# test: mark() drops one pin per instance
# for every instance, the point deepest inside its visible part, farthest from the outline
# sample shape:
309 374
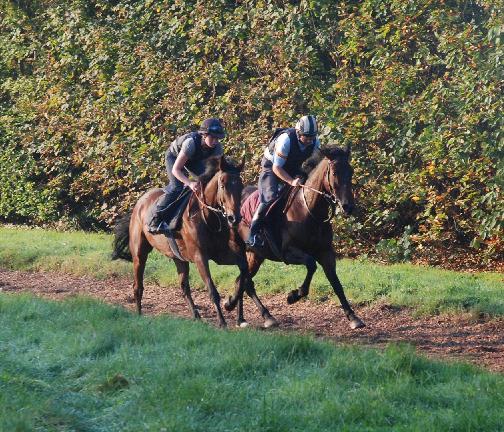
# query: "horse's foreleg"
254 262
237 297
204 270
328 262
297 256
183 272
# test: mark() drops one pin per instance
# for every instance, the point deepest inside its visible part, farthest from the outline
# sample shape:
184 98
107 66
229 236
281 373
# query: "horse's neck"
316 178
316 203
210 191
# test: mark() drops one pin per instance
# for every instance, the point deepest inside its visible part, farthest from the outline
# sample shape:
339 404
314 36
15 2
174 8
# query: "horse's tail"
121 239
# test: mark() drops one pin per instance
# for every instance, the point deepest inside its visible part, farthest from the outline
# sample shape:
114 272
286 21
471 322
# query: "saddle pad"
251 203
249 207
175 210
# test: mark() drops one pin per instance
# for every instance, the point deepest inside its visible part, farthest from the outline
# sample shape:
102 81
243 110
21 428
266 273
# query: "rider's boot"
255 239
158 226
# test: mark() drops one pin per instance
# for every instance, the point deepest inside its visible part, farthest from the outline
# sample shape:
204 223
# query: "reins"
330 197
217 210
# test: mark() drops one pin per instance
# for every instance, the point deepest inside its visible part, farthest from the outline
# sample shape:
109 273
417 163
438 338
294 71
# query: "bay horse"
208 232
301 227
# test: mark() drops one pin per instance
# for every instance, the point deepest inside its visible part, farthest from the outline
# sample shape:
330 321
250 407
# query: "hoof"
229 305
223 326
270 323
356 323
293 297
243 324
196 315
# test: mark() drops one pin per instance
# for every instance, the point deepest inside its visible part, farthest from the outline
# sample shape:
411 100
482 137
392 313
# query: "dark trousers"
268 183
175 186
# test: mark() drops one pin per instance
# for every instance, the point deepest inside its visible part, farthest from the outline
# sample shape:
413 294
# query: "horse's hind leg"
296 256
327 260
183 272
240 284
140 248
204 270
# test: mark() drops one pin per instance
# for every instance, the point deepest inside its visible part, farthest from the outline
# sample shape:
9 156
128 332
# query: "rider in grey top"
188 152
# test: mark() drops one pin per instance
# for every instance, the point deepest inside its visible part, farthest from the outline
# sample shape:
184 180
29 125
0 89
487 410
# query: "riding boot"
255 239
157 224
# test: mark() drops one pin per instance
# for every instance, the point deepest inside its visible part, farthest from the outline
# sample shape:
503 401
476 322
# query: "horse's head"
229 189
338 177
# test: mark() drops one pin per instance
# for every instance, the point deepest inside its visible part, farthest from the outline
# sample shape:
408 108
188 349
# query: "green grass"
427 290
83 365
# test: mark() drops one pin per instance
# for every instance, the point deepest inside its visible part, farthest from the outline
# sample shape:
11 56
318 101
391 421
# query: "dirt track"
479 341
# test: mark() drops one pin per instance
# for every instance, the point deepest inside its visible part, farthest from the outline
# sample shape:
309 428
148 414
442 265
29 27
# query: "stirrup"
161 228
255 240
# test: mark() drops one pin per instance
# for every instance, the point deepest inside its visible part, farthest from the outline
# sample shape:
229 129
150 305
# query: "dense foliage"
92 92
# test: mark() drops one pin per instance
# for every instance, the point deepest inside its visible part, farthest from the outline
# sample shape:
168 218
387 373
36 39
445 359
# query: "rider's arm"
178 172
284 175
281 151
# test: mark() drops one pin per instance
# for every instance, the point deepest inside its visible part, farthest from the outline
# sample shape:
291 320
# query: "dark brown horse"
208 232
301 227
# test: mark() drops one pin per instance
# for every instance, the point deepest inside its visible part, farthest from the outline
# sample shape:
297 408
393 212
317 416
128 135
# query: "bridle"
220 210
331 197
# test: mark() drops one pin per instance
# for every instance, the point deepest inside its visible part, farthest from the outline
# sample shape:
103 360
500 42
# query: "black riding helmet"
213 127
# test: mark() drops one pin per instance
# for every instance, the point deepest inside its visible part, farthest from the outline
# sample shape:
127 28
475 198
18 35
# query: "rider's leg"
257 223
172 191
268 192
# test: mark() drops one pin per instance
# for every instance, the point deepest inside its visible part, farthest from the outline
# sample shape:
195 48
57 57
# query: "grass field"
427 290
80 365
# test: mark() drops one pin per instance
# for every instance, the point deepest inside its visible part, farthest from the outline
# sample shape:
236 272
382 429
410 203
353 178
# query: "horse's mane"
212 165
331 152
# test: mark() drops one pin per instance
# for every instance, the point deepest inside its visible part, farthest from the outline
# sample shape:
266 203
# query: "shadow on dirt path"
479 341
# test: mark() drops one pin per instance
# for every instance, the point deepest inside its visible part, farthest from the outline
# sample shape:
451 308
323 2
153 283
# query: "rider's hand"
296 182
194 186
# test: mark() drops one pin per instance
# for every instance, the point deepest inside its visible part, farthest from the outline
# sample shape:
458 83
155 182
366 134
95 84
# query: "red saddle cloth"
249 207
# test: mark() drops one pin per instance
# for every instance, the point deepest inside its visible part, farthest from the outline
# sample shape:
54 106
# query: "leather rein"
220 210
329 197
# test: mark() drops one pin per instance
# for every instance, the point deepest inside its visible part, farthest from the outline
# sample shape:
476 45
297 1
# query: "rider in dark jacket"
187 152
282 160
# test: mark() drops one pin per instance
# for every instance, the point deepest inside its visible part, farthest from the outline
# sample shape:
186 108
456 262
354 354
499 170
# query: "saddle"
249 206
174 211
172 215
270 231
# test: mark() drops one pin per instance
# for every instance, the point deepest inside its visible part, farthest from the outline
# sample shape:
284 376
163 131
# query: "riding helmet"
213 127
307 126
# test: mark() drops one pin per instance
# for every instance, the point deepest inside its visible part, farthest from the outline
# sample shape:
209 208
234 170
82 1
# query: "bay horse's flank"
208 232
302 228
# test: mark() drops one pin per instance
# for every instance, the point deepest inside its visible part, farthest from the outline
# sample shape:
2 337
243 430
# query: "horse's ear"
326 152
348 150
240 167
222 163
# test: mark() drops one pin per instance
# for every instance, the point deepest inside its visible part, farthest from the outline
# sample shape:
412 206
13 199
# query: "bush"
93 92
